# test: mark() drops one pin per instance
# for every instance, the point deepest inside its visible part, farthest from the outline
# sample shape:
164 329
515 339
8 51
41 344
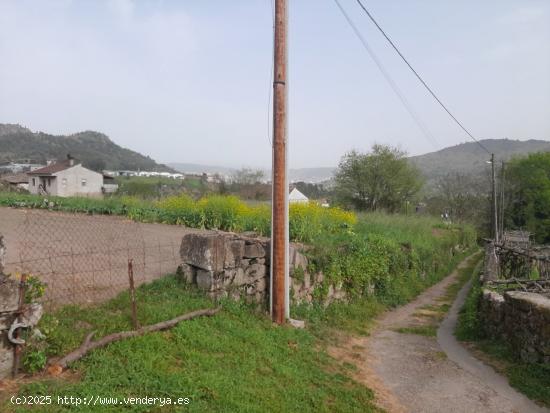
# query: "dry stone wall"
520 318
238 266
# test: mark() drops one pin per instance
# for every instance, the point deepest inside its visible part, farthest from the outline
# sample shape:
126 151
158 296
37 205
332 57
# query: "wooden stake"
135 321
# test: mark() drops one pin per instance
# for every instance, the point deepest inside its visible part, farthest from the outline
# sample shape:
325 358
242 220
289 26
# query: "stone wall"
520 318
237 266
9 302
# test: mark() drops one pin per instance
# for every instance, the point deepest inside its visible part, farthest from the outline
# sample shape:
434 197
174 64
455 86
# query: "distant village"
68 178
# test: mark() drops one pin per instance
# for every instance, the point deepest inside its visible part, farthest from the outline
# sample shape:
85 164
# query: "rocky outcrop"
226 264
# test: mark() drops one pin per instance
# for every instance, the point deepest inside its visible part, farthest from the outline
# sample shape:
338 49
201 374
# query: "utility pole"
279 209
502 179
495 210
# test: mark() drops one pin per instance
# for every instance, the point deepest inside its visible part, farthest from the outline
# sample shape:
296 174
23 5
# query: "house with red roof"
68 178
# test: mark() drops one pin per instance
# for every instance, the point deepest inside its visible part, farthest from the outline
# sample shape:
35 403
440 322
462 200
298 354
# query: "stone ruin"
237 266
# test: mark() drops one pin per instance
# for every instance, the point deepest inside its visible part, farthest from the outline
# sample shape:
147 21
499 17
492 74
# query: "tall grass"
227 213
391 256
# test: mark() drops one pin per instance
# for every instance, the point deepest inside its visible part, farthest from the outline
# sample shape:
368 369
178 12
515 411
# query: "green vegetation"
236 361
423 330
151 188
228 213
528 187
94 149
433 314
381 180
384 261
467 159
468 327
391 256
532 379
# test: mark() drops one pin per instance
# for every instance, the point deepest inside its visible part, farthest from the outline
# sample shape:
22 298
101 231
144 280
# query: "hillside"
469 158
464 158
94 149
314 175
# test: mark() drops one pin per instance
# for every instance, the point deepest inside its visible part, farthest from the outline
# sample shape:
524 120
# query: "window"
49 181
33 182
84 182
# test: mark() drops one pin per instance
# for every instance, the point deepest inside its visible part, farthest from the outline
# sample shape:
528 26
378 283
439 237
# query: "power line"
422 126
429 89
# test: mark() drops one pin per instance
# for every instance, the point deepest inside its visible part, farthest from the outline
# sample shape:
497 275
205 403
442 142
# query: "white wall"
34 189
74 181
78 180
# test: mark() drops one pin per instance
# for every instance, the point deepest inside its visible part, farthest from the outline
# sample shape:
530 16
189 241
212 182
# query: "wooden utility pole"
279 211
502 180
495 208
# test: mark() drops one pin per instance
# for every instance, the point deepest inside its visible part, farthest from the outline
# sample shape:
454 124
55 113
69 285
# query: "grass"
425 330
532 379
236 361
228 213
433 314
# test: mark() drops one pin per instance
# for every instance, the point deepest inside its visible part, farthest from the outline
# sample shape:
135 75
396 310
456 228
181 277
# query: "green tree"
466 197
527 185
380 180
247 176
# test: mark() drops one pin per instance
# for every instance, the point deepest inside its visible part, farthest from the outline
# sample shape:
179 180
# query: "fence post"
16 334
135 322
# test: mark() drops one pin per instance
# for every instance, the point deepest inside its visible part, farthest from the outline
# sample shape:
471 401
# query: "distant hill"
313 175
465 158
195 168
94 149
469 158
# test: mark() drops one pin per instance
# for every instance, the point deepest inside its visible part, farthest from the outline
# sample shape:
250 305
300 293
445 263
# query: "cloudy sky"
188 81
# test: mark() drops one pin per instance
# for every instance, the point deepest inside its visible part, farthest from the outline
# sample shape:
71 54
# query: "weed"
425 330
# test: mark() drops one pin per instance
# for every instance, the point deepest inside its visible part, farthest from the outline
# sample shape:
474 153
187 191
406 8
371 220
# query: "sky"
189 81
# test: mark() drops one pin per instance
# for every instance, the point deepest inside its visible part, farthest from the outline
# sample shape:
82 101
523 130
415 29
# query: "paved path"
415 373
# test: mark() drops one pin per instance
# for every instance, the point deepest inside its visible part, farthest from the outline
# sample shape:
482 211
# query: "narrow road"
419 373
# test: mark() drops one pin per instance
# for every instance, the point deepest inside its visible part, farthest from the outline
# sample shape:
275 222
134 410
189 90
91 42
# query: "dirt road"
419 373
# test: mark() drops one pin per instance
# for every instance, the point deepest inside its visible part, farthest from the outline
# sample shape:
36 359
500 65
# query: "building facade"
66 178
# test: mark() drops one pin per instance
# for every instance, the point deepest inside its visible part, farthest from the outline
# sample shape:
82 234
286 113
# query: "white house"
68 178
296 196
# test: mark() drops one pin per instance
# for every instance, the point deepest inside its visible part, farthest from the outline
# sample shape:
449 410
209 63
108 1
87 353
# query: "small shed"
297 197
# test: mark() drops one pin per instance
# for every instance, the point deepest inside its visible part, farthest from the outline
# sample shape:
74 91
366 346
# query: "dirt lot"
83 258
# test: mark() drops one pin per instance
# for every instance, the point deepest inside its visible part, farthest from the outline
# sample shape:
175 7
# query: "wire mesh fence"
84 259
